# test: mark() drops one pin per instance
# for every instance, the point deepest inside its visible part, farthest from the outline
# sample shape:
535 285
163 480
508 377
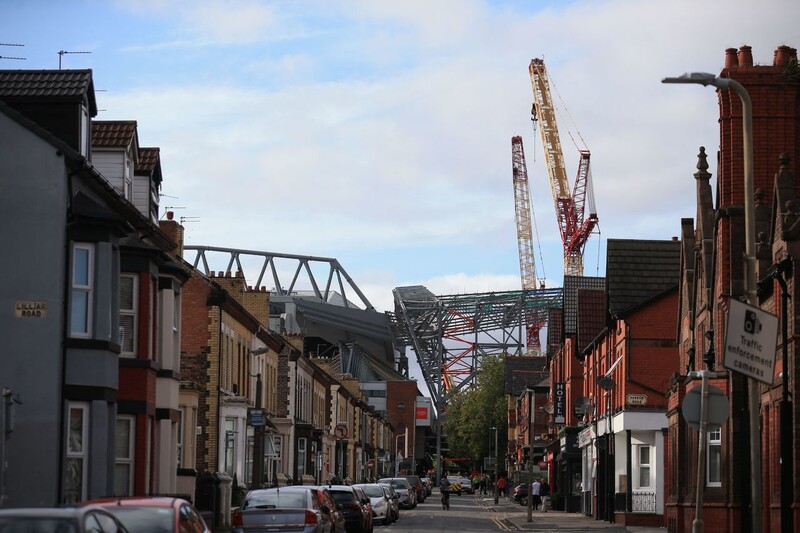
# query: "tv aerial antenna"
13 57
62 52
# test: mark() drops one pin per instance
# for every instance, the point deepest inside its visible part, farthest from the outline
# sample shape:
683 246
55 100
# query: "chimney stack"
174 231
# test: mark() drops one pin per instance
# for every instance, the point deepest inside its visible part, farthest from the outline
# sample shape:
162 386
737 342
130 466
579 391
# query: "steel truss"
277 263
450 334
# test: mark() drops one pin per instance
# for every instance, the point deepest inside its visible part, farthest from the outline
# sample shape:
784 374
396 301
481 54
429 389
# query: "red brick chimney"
174 231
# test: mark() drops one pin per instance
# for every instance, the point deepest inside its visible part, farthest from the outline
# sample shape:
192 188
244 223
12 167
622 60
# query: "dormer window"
128 181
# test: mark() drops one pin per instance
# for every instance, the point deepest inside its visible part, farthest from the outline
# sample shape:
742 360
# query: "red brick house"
712 274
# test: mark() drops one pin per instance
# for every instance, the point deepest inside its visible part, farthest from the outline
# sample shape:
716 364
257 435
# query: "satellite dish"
581 404
606 383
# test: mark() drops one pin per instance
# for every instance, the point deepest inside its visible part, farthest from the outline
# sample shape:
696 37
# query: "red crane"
574 225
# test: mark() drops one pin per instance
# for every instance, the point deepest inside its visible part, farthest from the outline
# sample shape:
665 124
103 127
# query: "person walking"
544 492
444 488
483 484
502 483
536 494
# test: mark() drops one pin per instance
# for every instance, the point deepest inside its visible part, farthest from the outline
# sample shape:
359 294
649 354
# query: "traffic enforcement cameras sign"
750 339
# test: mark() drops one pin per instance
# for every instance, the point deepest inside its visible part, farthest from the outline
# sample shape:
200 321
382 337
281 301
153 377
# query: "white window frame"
87 288
301 457
713 446
229 444
133 312
77 454
642 465
181 434
129 460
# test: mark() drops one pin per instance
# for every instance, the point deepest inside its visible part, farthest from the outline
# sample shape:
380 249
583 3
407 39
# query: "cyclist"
444 488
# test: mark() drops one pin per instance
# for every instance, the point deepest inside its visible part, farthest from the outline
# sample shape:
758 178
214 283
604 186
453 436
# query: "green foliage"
473 412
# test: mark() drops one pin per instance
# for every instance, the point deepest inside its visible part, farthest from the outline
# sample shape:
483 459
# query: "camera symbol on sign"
752 324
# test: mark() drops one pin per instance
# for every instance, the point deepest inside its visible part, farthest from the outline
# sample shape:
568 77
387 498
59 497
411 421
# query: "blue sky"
380 132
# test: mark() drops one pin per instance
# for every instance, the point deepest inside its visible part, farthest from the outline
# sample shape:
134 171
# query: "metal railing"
644 502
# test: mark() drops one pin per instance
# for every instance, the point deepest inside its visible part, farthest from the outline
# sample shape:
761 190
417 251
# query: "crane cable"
569 115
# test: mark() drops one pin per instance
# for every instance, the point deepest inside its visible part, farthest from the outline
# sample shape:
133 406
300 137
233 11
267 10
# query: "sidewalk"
511 516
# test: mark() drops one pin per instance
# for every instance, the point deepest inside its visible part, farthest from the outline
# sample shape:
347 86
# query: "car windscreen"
373 491
151 519
276 500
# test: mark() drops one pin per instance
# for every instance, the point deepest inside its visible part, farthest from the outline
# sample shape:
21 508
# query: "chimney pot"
228 274
731 61
745 56
221 274
782 55
170 215
249 288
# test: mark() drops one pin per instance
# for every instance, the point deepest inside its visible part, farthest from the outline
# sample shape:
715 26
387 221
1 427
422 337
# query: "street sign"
370 463
340 431
750 339
718 407
255 417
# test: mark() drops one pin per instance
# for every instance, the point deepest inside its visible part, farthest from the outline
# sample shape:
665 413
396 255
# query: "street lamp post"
496 473
397 451
531 404
706 79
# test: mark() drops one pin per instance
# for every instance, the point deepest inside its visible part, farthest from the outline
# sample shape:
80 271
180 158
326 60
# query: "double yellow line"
503 525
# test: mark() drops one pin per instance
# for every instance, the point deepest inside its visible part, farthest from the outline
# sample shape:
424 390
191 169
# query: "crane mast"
534 320
570 208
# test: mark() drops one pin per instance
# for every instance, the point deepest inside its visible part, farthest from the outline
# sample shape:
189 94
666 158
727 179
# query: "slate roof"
519 372
55 84
113 133
591 316
640 270
555 330
571 286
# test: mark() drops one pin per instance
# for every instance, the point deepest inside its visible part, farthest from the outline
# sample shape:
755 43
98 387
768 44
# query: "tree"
473 412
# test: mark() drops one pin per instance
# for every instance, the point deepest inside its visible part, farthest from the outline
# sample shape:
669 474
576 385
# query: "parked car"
520 494
366 504
357 519
86 519
394 501
283 509
336 514
381 508
157 514
408 496
428 485
416 483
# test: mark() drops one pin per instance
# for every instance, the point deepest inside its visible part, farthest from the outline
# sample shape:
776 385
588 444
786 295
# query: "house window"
128 191
123 466
77 453
82 287
714 463
301 458
645 461
128 307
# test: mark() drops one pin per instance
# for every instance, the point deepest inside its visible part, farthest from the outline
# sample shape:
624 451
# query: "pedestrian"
535 493
544 492
483 484
444 489
501 485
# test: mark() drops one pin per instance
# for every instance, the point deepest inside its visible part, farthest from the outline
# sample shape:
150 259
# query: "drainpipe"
629 473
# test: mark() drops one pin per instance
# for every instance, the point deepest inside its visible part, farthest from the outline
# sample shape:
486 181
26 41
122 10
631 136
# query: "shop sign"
560 403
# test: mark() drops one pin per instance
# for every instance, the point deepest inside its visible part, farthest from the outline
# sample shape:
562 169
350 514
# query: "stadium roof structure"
451 334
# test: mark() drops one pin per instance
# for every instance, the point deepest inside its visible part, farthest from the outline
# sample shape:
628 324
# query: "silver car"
381 508
408 496
296 509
